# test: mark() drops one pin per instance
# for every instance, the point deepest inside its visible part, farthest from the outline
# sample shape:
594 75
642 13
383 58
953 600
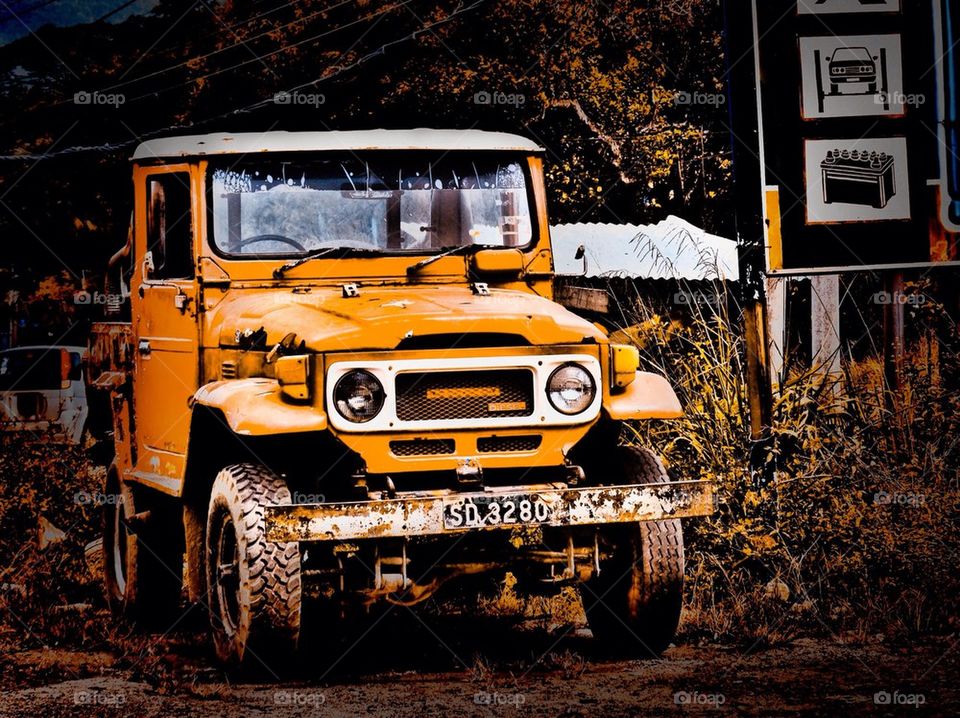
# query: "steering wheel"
273 238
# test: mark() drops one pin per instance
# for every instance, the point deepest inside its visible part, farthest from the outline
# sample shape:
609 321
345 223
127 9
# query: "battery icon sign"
854 177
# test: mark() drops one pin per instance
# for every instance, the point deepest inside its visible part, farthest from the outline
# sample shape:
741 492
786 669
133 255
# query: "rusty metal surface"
110 350
424 515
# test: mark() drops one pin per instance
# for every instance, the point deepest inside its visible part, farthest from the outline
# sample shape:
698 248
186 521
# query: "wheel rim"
227 576
120 547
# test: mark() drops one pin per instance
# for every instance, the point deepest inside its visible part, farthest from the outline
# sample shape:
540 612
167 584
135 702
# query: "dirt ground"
407 666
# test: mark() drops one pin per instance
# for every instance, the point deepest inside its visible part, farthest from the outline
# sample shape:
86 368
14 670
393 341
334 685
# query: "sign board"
859 132
827 7
852 76
863 180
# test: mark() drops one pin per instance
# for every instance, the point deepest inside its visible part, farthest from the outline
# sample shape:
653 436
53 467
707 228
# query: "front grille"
446 395
502 444
422 447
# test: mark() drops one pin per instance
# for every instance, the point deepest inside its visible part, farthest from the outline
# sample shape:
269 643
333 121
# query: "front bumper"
422 514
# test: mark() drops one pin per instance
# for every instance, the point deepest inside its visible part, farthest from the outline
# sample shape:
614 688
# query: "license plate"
509 510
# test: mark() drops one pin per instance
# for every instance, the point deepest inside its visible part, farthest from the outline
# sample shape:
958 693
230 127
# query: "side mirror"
498 261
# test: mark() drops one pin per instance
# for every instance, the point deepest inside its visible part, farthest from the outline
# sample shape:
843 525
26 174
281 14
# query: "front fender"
255 407
649 396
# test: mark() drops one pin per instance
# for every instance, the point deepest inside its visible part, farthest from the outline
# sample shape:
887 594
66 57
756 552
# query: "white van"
42 390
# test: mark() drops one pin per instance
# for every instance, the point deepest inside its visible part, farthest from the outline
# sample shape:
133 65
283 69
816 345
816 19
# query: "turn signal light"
293 375
624 363
65 369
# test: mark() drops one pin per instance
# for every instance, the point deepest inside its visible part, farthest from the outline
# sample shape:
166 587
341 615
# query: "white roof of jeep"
351 140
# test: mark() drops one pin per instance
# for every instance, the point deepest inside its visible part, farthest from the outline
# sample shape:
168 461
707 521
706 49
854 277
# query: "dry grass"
857 532
48 513
856 535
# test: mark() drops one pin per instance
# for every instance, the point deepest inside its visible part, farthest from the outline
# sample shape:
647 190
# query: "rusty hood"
381 317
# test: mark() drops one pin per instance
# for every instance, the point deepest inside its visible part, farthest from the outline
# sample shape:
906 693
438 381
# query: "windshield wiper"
448 252
320 252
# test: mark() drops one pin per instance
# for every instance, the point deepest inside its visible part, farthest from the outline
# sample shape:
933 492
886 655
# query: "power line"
200 58
261 58
59 103
114 147
24 13
113 12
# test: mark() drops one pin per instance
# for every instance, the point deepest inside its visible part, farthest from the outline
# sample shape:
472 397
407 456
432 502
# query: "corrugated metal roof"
352 140
670 249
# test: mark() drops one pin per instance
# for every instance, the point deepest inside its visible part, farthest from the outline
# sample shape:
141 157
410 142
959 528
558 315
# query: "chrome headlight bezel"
574 374
344 396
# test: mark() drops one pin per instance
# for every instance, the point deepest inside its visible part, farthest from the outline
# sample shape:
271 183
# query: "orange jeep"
344 378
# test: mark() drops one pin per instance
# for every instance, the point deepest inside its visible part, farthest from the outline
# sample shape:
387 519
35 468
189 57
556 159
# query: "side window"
169 226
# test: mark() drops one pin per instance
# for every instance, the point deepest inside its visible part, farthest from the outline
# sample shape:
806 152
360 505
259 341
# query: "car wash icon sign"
852 76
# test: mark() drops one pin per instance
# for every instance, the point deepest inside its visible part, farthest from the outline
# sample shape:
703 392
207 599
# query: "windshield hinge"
480 289
350 290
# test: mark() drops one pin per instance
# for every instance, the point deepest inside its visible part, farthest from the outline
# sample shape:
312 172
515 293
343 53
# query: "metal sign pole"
893 335
741 81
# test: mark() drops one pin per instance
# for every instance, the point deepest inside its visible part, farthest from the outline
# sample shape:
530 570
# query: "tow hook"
575 474
469 472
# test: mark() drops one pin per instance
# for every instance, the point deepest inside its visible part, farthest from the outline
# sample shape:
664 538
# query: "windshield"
851 54
385 203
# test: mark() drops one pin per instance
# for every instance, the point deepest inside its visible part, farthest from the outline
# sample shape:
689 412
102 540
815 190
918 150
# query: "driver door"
165 324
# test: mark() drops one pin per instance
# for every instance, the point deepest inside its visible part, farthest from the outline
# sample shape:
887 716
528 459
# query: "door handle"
143 346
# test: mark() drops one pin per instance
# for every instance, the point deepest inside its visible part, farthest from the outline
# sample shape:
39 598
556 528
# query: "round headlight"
570 389
358 396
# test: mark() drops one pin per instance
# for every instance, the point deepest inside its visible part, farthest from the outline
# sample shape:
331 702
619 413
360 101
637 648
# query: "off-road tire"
633 606
256 622
141 568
